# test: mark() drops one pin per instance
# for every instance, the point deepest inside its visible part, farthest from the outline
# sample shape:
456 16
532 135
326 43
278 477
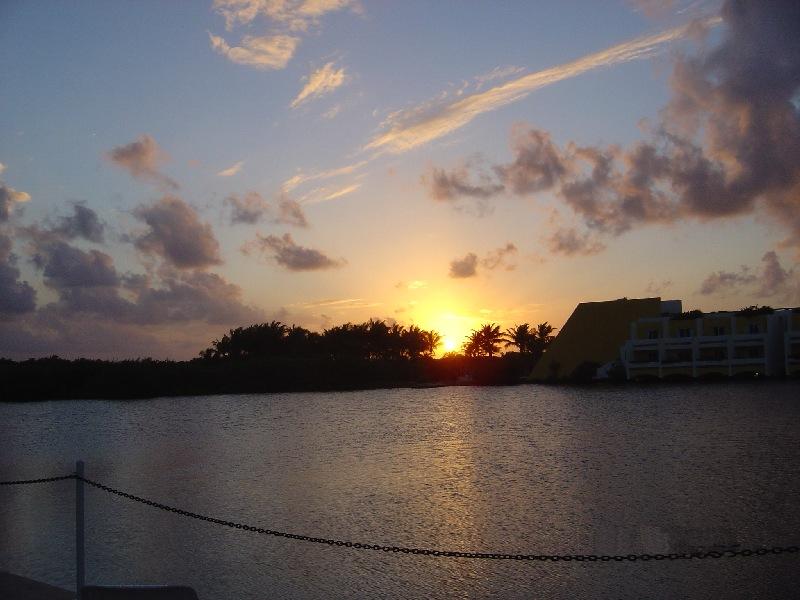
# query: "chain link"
450 553
42 480
763 551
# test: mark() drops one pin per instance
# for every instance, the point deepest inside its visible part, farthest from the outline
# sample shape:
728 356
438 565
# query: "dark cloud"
177 235
83 222
290 255
291 213
461 268
538 163
725 280
194 296
774 277
499 257
252 208
247 210
772 280
727 143
65 266
143 158
570 242
448 186
16 297
8 198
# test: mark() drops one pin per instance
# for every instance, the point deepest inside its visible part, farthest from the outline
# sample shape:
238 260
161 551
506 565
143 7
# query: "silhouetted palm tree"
432 340
520 336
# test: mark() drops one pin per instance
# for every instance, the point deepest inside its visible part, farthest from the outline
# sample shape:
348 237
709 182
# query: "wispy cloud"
321 82
349 189
266 52
232 170
302 178
332 111
411 128
297 15
496 73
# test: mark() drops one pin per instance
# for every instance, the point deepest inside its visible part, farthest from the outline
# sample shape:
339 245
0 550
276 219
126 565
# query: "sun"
449 344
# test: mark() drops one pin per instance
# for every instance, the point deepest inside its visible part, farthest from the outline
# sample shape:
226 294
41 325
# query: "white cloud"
232 170
342 191
321 82
297 15
411 128
266 52
301 178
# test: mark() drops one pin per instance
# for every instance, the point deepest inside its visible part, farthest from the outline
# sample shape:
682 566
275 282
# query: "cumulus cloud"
248 209
143 158
177 235
8 198
571 242
411 128
727 144
447 186
232 170
291 213
771 280
467 266
284 251
66 266
82 223
461 268
16 297
266 52
321 82
252 208
538 163
499 258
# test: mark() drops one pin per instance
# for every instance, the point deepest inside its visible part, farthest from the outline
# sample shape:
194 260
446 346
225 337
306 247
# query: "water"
526 469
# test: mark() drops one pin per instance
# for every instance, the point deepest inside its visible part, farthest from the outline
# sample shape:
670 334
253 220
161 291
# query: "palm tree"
485 340
543 334
471 347
520 336
432 340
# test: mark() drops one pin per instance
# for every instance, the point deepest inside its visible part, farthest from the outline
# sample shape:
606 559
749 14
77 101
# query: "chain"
450 553
42 480
427 551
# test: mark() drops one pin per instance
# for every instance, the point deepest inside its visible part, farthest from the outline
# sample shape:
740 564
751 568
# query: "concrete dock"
14 587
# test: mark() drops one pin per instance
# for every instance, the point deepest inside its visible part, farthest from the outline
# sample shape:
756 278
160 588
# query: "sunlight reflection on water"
527 469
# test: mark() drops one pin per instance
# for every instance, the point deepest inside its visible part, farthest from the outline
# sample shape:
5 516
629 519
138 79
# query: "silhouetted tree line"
373 340
274 357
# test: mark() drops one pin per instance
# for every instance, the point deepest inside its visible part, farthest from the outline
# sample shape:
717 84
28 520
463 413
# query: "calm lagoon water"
527 469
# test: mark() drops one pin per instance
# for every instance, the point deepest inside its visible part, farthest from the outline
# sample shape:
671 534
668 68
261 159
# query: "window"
685 332
652 334
753 328
719 330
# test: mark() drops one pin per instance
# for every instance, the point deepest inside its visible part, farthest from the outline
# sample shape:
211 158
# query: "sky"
170 170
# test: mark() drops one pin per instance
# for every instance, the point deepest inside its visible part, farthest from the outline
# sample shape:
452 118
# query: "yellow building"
593 335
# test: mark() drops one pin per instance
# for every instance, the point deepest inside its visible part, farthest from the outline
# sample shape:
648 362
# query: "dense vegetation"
274 357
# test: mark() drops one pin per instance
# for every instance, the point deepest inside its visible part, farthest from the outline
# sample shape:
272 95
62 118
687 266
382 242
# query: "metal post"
80 557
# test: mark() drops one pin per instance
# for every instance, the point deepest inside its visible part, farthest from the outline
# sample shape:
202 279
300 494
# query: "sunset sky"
169 170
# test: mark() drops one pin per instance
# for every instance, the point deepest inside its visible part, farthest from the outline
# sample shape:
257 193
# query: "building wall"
593 334
723 343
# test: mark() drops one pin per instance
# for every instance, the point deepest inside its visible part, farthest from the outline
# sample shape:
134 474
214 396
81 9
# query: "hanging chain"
763 551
